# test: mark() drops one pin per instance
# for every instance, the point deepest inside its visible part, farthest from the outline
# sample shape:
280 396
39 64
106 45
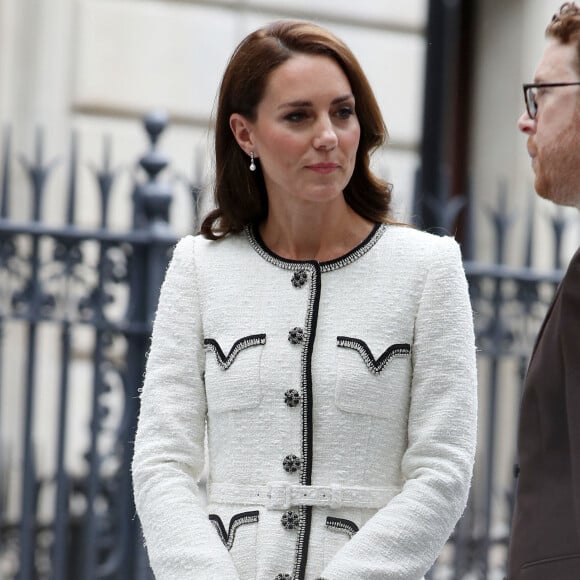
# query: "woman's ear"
242 130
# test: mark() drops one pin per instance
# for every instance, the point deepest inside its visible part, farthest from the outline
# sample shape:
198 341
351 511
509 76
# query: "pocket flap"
238 520
373 364
241 344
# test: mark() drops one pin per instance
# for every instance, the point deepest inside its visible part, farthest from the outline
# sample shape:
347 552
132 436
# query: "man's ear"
242 130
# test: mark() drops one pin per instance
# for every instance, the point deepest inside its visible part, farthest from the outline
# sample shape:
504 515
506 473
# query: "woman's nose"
326 137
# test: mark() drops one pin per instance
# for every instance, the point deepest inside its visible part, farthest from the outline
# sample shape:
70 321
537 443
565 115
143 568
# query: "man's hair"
565 27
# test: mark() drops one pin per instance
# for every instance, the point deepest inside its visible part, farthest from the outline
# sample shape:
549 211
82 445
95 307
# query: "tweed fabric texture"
356 373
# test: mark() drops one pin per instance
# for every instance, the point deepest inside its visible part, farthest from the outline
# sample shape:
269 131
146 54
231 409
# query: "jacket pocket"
372 384
232 381
339 532
342 526
562 567
240 540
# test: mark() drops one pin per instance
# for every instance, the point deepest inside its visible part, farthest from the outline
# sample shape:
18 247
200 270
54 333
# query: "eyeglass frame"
527 90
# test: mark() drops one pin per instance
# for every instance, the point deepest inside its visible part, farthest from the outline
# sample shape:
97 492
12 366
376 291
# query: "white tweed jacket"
339 400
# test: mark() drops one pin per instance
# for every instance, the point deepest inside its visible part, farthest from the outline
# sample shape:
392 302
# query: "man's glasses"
531 92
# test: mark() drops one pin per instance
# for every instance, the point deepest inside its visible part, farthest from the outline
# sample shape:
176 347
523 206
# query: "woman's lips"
323 167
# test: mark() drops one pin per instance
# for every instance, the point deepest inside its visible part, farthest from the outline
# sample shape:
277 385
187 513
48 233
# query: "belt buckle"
330 496
279 496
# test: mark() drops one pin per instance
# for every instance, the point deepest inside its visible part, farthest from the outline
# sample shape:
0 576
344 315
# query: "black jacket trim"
374 365
342 525
238 520
353 255
307 413
226 361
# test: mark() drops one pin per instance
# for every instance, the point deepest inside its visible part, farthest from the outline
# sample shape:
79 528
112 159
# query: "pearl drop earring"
252 164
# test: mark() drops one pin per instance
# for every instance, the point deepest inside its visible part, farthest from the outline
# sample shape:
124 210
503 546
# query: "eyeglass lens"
531 101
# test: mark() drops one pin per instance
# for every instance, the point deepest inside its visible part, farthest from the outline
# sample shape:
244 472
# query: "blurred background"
105 161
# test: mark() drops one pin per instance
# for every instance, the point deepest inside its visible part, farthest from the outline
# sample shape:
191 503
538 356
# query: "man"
545 541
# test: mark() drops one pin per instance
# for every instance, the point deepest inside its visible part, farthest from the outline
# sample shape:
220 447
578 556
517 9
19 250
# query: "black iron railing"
103 285
70 516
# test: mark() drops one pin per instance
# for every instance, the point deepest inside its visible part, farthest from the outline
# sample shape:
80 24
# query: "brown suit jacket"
545 540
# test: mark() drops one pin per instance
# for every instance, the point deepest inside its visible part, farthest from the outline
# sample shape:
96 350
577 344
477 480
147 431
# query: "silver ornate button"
292 397
296 335
290 520
299 278
292 463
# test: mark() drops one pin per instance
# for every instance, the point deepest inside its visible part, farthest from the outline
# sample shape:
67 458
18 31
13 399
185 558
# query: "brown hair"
565 27
240 195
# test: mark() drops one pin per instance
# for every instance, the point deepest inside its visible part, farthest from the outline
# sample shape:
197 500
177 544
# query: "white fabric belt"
280 495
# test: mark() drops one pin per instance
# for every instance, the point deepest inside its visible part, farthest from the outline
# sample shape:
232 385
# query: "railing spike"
5 191
559 223
529 247
155 123
37 172
72 180
470 223
106 177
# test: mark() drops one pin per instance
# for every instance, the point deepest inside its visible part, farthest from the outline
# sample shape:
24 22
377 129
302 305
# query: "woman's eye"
345 112
295 116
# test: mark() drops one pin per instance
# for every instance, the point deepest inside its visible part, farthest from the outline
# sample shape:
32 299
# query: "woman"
329 350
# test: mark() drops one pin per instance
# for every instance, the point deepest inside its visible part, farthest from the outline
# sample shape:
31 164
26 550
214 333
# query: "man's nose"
526 124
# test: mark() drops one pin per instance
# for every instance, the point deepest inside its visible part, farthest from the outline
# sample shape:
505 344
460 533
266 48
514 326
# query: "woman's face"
306 133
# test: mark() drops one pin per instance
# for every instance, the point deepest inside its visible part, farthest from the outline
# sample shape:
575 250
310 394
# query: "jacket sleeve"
169 444
403 539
